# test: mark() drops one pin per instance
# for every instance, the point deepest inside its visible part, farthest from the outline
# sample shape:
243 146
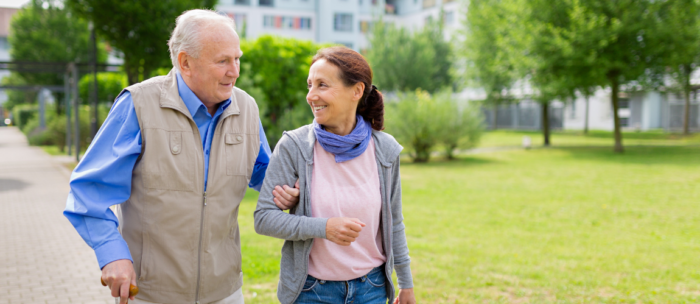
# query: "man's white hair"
188 31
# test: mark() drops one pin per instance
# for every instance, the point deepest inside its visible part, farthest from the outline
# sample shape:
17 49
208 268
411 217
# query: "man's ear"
184 62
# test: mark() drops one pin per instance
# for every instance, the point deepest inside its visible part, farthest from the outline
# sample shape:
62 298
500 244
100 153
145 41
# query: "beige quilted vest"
185 242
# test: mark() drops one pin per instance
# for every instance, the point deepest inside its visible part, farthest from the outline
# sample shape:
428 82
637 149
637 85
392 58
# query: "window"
428 3
4 44
365 26
239 19
623 111
266 3
287 22
348 44
449 18
241 2
343 23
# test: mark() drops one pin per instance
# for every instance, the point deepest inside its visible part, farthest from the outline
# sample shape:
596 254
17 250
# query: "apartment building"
345 22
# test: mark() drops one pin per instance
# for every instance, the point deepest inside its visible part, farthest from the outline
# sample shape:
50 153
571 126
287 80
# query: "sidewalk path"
42 258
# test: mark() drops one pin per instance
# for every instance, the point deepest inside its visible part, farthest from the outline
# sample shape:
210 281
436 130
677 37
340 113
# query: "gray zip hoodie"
292 160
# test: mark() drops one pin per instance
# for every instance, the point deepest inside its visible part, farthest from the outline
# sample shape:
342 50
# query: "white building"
336 21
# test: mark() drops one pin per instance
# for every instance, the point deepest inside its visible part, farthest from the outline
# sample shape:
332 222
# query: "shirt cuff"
111 251
404 276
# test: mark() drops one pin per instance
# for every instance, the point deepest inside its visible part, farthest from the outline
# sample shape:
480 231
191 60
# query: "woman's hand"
343 230
406 296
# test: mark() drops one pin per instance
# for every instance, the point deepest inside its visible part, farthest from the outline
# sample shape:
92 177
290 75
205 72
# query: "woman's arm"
270 220
402 262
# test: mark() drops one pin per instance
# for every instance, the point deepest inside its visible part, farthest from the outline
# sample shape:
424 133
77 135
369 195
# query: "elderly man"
177 152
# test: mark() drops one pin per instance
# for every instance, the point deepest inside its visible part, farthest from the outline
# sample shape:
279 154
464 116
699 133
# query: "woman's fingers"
343 231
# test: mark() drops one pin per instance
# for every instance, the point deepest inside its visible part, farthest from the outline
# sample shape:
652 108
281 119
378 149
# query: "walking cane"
133 291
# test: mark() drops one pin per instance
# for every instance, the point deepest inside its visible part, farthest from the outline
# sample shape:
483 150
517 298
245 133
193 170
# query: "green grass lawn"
560 225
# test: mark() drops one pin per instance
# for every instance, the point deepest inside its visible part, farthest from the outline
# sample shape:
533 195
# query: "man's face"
213 74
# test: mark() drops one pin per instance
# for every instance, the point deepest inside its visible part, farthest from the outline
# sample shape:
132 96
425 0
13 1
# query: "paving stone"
41 254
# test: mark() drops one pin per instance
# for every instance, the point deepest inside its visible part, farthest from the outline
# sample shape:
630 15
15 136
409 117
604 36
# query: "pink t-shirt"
347 189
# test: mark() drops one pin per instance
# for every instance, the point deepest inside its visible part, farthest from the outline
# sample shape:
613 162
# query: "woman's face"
333 104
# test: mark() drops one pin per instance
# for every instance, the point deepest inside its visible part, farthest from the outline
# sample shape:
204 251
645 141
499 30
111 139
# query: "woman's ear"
358 91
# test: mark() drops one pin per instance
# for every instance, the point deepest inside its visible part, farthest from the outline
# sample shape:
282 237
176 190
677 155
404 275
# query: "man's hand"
286 197
119 276
406 296
343 230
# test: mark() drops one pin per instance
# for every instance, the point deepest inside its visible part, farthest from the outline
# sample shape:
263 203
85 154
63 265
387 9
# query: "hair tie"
369 93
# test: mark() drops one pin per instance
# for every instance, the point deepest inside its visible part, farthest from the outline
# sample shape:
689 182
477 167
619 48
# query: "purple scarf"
345 147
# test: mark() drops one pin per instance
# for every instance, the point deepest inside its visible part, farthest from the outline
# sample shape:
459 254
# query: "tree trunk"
615 84
585 122
686 95
545 123
132 71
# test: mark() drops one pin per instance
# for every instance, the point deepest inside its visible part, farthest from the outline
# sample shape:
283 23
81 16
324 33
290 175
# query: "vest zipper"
199 252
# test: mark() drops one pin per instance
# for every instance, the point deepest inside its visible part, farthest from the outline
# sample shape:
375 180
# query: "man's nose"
234 71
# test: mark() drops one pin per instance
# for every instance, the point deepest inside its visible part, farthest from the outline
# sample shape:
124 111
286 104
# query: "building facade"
346 22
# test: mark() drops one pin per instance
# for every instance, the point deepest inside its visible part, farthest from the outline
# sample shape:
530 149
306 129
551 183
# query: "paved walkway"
42 258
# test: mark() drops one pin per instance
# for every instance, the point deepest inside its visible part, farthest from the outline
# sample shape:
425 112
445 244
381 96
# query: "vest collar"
170 98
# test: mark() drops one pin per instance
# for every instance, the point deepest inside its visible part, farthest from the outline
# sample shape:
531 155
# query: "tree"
45 32
581 44
274 72
491 51
681 39
139 29
405 61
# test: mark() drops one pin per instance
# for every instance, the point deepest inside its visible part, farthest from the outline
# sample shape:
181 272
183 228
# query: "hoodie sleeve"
269 219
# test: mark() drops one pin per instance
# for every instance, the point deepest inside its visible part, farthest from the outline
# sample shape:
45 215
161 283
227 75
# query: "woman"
346 236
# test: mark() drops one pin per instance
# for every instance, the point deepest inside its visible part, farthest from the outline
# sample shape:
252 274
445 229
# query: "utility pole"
66 99
42 109
76 112
93 40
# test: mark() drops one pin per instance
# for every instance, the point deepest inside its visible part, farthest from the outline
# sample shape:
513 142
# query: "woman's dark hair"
353 69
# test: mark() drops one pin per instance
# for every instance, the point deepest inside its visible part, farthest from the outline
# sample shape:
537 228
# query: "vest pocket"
236 157
168 163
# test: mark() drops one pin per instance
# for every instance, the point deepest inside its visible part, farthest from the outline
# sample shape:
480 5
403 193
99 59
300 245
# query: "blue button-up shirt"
103 176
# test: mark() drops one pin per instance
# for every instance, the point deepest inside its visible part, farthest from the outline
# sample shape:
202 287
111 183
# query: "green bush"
109 85
22 114
460 128
412 121
55 131
420 122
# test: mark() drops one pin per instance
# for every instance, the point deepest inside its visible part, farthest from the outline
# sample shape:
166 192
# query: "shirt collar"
191 100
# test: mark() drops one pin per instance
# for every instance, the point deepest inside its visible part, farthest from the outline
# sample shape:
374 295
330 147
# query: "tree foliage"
584 43
680 37
45 32
405 61
491 50
274 71
139 29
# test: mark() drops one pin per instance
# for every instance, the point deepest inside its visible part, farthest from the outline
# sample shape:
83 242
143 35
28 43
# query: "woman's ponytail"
372 108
